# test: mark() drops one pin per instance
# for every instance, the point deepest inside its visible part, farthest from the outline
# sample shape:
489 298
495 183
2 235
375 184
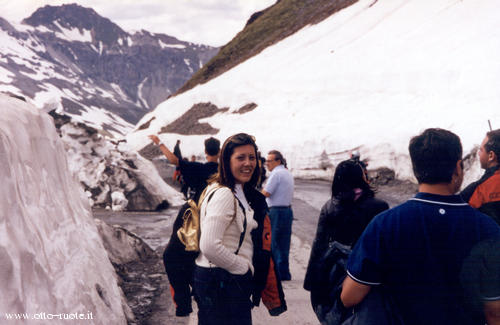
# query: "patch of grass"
263 29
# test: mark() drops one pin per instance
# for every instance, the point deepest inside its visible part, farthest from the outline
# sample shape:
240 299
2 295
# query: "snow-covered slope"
53 259
371 76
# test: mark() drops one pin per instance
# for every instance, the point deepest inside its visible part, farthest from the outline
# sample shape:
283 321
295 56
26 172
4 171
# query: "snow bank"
53 259
369 77
112 174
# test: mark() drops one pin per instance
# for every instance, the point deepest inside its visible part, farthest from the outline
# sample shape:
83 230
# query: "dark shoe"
183 311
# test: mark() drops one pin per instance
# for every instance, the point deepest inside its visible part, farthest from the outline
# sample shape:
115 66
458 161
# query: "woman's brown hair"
224 175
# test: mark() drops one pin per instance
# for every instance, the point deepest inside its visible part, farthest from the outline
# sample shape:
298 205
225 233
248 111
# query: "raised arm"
169 154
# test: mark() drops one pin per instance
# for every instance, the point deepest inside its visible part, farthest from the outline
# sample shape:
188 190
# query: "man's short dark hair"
434 155
212 146
493 143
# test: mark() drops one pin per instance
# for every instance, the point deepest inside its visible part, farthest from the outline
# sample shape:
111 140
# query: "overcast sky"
211 22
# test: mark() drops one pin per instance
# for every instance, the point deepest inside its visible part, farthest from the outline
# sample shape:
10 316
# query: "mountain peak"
82 62
70 16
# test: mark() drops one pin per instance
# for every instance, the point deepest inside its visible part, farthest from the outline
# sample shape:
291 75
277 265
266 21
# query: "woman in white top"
224 269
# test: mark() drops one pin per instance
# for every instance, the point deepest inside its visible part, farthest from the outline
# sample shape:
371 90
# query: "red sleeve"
272 295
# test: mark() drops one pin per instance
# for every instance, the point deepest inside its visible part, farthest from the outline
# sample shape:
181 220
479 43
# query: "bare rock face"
189 124
112 175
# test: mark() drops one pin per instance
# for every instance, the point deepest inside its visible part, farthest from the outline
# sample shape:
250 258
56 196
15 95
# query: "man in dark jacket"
195 174
415 251
179 264
177 150
485 193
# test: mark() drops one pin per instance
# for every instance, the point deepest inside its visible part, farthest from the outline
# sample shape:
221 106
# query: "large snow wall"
53 263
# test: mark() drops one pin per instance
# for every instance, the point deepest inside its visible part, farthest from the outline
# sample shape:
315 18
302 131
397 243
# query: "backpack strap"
242 235
206 193
236 203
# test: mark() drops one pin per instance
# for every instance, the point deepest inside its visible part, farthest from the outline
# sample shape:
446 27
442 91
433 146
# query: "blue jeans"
281 227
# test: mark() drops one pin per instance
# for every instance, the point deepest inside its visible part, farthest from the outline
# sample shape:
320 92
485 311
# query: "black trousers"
222 298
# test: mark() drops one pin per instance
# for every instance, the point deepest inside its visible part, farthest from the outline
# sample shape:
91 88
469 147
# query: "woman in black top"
342 219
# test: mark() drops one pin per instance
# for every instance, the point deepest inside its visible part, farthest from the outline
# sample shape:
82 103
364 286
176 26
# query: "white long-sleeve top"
220 233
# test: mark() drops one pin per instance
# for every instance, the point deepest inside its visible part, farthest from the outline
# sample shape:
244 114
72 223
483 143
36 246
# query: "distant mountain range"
70 58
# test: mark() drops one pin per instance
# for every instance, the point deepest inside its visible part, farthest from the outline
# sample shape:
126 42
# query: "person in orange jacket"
484 194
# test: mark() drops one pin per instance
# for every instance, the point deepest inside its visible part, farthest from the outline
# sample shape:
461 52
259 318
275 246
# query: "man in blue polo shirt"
279 194
416 250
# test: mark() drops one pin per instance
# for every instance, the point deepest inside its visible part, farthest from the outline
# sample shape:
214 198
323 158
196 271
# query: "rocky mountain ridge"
70 58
